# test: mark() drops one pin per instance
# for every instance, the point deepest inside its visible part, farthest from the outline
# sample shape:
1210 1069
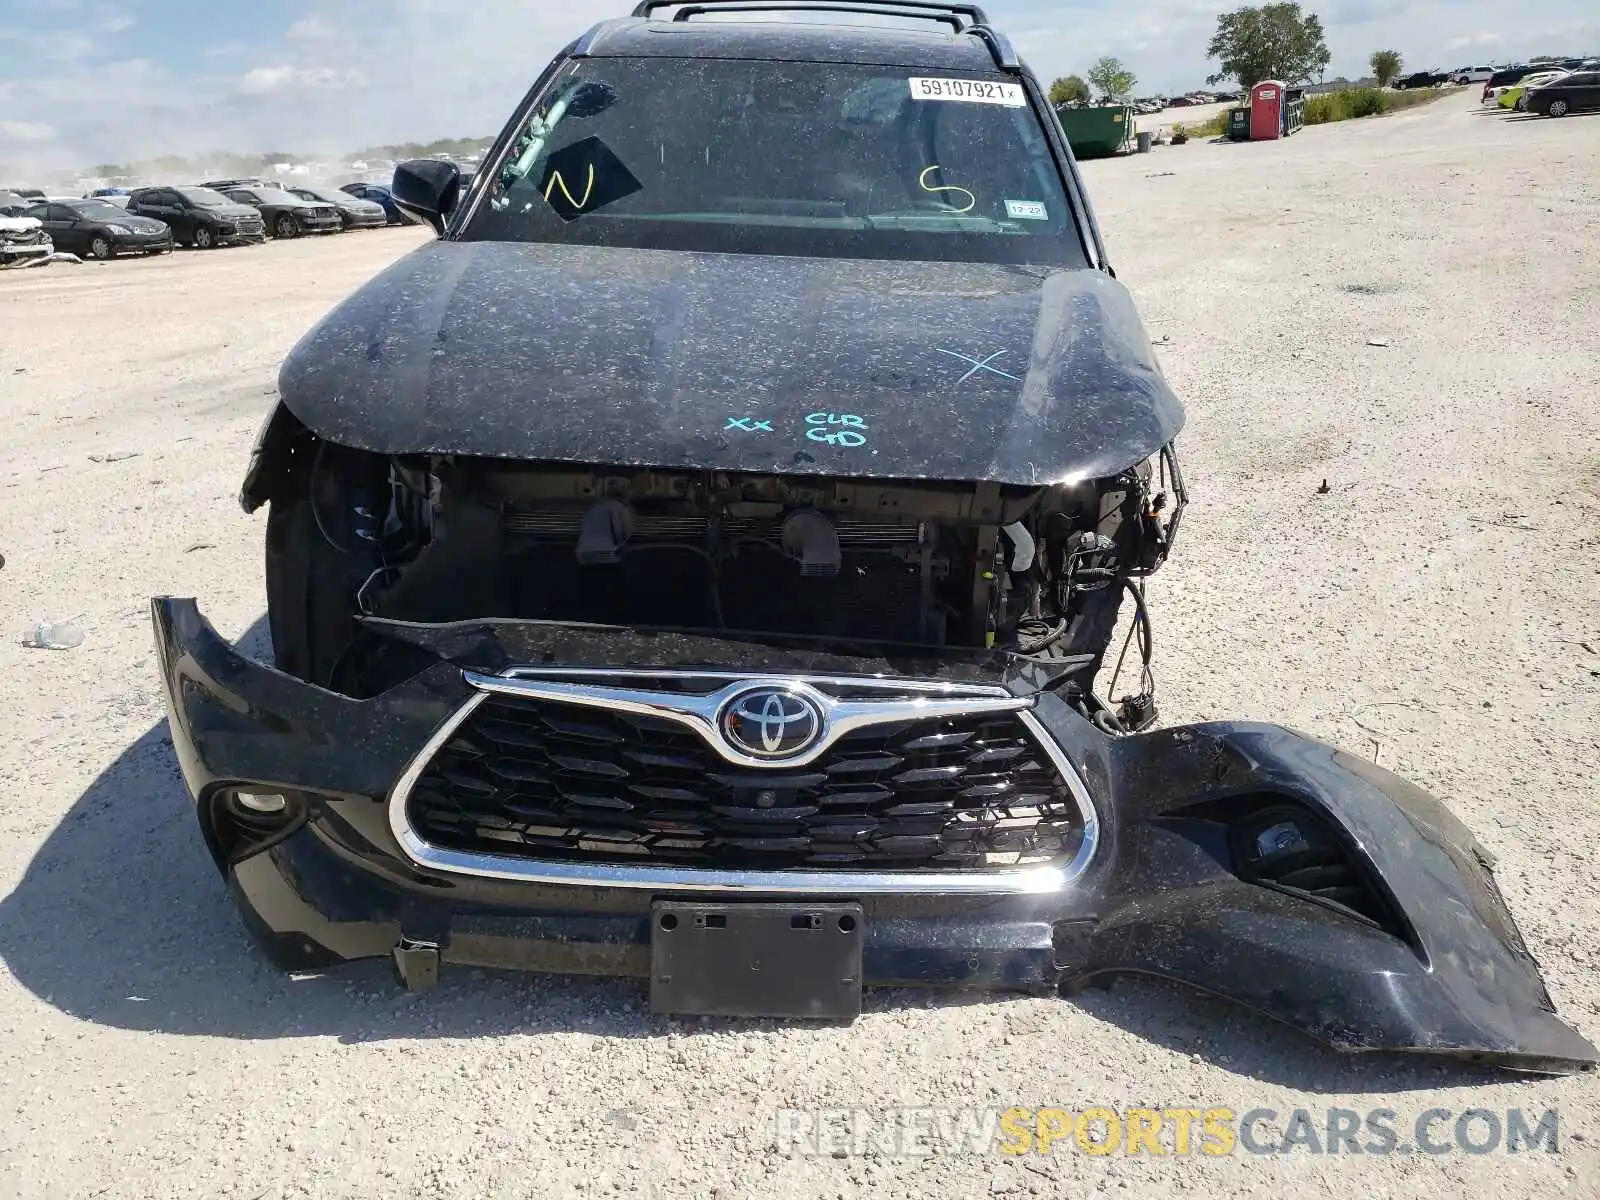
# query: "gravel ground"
1436 608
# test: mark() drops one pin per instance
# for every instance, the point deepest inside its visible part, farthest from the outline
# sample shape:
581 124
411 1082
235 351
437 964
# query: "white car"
1472 75
22 239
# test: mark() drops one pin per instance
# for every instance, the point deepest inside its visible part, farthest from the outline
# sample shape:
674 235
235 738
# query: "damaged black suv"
699 564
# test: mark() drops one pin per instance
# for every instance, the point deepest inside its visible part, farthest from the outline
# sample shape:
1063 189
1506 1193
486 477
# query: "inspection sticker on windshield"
970 91
1026 210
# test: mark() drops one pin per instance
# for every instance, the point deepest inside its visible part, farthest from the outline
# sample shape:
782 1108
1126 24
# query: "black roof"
792 41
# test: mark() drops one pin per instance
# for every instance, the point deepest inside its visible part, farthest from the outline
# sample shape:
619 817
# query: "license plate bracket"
756 960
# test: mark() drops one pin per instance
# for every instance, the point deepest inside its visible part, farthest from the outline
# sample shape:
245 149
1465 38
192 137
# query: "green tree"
1386 66
1271 42
1112 80
1071 90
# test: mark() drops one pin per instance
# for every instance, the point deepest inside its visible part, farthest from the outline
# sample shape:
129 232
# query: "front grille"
554 782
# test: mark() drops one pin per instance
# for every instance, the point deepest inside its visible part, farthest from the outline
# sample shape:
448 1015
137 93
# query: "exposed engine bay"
1041 572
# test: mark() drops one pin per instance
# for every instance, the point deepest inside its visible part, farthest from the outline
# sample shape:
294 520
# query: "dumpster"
1239 124
1097 132
1294 110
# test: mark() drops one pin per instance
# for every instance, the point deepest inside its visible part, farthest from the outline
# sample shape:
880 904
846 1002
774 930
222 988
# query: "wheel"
100 247
1558 108
1521 104
204 239
285 227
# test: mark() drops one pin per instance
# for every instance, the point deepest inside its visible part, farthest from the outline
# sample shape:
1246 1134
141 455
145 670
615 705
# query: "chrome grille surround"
695 700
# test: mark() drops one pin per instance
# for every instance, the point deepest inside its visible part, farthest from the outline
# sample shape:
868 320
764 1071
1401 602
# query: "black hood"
738 362
138 224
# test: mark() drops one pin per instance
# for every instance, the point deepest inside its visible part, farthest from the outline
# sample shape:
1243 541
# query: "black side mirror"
427 189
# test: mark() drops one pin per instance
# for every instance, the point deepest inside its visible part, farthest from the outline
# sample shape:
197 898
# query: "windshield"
276 196
782 158
326 195
98 209
204 197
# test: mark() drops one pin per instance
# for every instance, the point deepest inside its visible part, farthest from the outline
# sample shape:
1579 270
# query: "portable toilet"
1266 110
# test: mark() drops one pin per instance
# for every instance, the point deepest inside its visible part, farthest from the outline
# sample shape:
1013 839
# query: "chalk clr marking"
556 178
922 182
852 434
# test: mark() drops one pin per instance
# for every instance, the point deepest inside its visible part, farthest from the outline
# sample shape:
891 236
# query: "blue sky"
85 81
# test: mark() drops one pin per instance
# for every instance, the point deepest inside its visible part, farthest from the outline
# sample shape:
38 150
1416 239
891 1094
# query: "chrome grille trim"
699 712
934 700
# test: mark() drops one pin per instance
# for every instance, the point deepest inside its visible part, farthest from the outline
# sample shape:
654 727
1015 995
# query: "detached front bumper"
1412 950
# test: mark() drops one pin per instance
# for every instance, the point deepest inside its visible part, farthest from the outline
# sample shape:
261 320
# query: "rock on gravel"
147 1052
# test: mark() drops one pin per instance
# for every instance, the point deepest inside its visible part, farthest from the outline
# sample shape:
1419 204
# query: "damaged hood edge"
738 362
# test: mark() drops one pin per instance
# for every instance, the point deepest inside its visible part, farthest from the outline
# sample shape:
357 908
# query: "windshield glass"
783 158
327 195
276 196
204 197
98 209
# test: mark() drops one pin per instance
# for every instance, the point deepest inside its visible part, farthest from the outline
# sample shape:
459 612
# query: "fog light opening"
266 804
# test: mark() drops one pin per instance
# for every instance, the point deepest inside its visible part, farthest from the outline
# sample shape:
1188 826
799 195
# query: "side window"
60 212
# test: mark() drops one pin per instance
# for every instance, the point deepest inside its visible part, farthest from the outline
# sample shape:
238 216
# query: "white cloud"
265 81
310 29
25 131
1473 39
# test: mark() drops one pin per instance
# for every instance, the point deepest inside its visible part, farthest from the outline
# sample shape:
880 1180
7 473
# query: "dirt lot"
1438 608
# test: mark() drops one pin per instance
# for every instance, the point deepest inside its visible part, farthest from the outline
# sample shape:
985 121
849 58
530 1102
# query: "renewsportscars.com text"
1202 1132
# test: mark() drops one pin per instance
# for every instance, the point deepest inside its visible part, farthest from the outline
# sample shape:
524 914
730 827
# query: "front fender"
282 446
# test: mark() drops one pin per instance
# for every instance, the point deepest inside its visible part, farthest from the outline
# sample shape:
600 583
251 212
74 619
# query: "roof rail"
870 8
1005 56
970 11
928 10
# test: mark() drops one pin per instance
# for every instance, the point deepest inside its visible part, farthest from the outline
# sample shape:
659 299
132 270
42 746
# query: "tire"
285 226
100 248
1558 108
1521 104
204 239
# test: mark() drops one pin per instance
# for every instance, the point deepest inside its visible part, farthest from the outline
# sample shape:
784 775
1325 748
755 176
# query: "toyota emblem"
772 723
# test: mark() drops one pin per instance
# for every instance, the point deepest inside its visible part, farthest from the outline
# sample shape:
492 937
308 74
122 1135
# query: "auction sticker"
970 91
1026 210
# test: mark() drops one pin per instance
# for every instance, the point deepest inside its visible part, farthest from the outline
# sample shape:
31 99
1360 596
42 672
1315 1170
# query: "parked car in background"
353 212
381 196
23 238
32 195
199 217
1471 74
287 215
1421 79
99 230
1502 79
1516 96
1577 92
223 185
13 205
